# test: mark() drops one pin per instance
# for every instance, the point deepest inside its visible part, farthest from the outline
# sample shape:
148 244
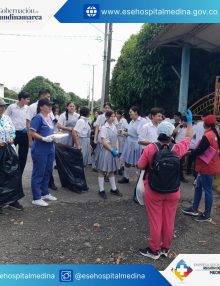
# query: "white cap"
166 128
2 102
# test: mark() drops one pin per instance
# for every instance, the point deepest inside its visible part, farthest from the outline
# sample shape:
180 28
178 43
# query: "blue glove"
114 153
189 116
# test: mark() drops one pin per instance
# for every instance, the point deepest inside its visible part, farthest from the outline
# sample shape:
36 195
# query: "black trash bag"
10 176
69 163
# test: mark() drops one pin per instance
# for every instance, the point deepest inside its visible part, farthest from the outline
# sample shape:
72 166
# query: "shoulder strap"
158 145
171 146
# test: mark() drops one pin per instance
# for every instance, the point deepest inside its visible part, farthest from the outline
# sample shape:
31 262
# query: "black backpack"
164 174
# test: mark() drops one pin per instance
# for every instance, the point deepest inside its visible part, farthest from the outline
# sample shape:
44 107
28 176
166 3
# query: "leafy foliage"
146 78
59 96
8 93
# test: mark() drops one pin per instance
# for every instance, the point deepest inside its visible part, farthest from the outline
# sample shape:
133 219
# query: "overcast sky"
60 53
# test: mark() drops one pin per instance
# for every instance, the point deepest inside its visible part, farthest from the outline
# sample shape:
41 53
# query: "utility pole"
88 97
104 65
93 74
92 89
108 67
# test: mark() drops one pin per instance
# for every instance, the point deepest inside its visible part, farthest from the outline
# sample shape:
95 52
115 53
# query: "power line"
98 38
103 33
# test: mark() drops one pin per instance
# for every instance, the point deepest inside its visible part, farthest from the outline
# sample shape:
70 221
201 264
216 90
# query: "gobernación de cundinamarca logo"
25 14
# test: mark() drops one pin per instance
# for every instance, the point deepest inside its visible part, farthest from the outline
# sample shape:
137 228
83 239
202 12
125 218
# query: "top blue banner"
139 11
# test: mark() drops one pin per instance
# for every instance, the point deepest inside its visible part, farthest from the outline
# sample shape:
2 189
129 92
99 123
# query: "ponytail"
67 115
38 109
216 133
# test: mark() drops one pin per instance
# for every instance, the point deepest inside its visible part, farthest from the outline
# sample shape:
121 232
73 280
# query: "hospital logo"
91 11
182 270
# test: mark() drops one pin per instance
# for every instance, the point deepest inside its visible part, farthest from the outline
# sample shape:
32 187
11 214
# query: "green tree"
146 78
8 93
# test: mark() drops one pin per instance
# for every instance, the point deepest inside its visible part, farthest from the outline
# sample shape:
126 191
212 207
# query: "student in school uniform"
132 150
17 112
67 122
149 131
99 123
107 161
42 152
81 135
122 125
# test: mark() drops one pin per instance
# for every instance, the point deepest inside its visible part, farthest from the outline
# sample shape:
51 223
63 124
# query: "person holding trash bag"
10 175
161 160
107 161
42 152
67 122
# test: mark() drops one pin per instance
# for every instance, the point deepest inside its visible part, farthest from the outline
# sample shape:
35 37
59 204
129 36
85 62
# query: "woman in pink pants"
161 207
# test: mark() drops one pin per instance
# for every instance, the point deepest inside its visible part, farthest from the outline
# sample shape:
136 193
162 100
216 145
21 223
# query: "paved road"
82 228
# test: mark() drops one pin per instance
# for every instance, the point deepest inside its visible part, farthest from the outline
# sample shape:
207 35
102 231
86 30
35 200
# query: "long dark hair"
213 128
68 103
108 114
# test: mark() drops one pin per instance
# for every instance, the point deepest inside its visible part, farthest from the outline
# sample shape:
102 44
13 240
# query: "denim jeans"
203 183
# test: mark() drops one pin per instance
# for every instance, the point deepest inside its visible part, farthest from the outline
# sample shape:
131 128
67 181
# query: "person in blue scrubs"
42 152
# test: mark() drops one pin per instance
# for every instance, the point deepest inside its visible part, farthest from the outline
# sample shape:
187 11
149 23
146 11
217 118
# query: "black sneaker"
53 187
190 211
123 181
147 252
16 206
164 252
120 172
116 193
203 217
103 195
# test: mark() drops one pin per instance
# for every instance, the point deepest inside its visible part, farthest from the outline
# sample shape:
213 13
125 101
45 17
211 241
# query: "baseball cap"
2 102
209 119
166 128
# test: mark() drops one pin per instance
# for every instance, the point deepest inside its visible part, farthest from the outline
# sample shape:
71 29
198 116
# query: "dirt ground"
82 228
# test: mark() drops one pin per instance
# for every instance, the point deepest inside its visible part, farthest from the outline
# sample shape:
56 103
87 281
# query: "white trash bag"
140 188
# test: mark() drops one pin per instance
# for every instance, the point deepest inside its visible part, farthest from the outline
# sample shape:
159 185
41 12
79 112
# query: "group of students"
137 150
115 143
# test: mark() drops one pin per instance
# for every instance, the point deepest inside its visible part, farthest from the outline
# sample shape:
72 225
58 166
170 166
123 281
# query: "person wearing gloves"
42 152
210 142
10 190
161 205
107 161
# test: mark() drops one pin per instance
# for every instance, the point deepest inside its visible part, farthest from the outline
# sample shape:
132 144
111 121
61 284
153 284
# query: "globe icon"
91 11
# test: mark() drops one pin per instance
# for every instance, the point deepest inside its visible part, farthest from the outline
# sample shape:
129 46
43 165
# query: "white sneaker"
49 197
40 203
